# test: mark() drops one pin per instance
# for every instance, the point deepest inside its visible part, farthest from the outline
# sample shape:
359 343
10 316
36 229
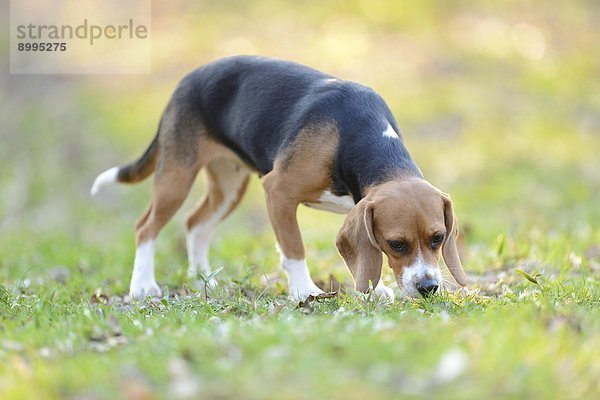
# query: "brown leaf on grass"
305 305
99 298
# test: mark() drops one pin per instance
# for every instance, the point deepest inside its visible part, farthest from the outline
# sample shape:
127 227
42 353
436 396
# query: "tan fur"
301 174
450 248
408 209
172 182
405 208
214 198
170 190
361 253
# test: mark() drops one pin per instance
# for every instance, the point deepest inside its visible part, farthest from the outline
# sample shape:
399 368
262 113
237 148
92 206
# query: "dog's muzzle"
419 280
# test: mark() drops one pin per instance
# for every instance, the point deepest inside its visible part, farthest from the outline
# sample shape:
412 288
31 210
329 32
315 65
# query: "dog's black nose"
427 288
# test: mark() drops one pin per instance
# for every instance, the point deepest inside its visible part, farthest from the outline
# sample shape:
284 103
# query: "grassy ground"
499 105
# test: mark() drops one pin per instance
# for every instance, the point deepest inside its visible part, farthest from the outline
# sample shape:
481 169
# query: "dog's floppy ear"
357 245
449 249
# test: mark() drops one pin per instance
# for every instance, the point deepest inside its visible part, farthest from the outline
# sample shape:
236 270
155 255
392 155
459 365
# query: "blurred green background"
499 104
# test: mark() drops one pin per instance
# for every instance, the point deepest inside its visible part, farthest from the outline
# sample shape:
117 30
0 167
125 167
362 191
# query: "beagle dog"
314 140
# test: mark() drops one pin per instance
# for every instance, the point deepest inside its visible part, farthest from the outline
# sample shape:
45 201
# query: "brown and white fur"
314 140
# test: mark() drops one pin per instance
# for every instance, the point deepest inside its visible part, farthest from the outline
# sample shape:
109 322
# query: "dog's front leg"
282 212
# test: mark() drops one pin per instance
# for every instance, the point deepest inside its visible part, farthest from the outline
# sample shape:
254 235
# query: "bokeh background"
499 103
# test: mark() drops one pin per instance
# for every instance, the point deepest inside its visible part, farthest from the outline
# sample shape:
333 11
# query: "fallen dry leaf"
99 298
306 303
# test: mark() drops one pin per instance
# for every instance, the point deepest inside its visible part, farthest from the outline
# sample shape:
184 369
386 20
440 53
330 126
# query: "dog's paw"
384 292
301 293
141 290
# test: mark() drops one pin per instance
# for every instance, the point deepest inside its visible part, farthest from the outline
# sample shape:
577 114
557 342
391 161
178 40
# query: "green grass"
514 140
247 341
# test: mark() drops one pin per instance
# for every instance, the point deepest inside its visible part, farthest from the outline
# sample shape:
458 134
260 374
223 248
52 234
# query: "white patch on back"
332 203
106 178
390 132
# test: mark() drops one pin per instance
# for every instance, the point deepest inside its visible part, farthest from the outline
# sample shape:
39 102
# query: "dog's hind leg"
227 181
171 187
177 165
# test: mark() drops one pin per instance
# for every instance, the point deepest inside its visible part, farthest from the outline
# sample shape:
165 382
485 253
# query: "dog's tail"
131 173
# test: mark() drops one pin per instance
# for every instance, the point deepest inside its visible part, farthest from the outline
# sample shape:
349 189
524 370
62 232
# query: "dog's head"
410 221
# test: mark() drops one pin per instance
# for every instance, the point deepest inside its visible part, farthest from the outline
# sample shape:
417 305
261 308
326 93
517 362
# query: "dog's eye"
436 240
398 245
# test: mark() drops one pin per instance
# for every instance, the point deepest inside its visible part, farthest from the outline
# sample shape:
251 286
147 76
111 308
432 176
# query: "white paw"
384 292
141 290
301 293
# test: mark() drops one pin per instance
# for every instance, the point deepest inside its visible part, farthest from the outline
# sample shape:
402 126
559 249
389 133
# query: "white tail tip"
106 178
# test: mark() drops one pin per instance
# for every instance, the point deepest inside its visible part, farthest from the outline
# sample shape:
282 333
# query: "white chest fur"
332 203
